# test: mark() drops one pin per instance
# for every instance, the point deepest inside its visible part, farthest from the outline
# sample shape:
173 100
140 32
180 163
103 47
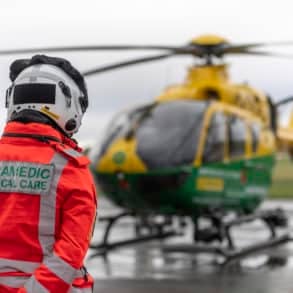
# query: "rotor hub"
209 40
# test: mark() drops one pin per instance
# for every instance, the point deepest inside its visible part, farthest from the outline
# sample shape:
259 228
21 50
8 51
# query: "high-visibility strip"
13 281
48 208
60 268
80 290
33 286
80 273
11 265
47 226
73 153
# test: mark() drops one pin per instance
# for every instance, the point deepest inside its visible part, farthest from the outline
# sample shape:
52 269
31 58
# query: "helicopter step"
220 231
144 229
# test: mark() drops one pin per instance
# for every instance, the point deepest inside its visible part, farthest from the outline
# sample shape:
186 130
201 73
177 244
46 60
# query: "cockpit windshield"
122 125
167 133
168 136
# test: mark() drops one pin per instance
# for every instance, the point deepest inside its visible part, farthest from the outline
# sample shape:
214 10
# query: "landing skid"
272 219
228 254
204 238
156 232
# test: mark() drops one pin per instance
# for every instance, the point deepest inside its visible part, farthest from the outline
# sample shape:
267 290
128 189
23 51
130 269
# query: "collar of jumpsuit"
42 130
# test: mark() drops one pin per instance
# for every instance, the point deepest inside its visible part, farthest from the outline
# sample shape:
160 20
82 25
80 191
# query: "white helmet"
48 89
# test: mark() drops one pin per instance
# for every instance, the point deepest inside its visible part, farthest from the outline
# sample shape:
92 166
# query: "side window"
255 132
237 137
214 149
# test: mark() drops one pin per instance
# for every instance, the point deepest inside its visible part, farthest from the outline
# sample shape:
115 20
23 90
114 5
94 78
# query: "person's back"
47 207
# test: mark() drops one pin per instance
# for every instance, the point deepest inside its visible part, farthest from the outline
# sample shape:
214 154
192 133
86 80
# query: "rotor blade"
229 48
264 53
90 48
185 49
284 101
126 63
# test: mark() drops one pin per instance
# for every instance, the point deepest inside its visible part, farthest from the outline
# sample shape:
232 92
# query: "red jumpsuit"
47 211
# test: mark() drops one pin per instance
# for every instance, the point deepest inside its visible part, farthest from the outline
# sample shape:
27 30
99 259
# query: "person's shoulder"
76 175
74 157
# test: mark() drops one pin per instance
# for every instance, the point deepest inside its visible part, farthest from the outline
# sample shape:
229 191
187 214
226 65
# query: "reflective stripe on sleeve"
73 153
13 281
33 286
11 265
60 268
80 290
53 262
48 208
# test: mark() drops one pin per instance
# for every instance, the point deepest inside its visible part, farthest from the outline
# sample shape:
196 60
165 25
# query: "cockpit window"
214 150
237 137
168 136
255 131
167 133
122 125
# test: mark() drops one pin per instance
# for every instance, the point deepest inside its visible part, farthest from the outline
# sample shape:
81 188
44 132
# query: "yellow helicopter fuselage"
211 82
127 164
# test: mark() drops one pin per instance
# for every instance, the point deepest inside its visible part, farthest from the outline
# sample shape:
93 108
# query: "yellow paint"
131 164
267 144
213 83
50 114
203 134
209 39
210 184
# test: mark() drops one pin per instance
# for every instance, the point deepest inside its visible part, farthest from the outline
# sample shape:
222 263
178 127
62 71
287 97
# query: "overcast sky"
48 23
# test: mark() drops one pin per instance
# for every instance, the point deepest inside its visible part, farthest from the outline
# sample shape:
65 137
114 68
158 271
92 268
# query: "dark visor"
34 93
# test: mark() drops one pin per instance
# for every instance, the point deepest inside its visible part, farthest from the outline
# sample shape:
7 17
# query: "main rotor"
208 47
205 47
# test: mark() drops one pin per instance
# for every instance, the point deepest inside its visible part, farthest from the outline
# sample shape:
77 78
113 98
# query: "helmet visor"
34 93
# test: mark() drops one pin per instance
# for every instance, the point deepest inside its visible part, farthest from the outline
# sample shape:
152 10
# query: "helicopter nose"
121 156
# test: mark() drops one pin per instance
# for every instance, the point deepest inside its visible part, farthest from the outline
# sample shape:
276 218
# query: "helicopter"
204 149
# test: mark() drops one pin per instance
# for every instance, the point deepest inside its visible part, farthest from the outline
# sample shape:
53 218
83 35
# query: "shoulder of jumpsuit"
32 128
75 156
26 130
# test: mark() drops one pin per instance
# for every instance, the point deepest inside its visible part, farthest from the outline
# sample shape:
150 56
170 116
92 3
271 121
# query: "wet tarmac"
145 268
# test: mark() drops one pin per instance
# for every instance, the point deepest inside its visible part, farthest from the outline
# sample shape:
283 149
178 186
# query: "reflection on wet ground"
145 268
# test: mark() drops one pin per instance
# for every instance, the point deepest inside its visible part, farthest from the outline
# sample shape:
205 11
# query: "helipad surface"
145 268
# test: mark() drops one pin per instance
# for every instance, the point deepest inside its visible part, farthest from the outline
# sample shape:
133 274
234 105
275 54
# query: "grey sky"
41 23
